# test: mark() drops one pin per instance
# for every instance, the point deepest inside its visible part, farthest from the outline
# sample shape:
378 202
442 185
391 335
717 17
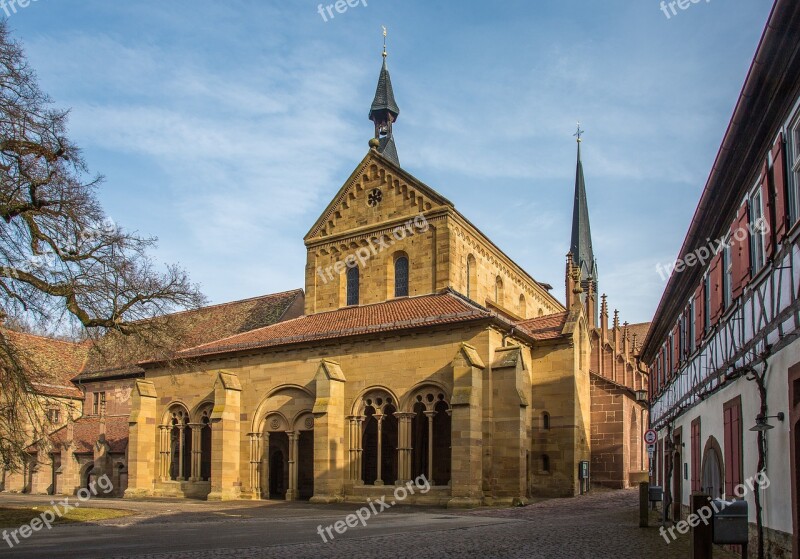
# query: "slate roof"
86 432
384 94
388 149
545 327
51 363
446 307
581 245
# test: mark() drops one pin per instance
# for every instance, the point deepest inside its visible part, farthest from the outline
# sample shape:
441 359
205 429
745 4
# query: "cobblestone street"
603 524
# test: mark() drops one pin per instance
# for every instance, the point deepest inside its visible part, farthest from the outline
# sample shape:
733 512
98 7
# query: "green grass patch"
15 517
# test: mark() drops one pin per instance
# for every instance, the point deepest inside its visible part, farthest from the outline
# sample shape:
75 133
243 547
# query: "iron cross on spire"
579 133
384 40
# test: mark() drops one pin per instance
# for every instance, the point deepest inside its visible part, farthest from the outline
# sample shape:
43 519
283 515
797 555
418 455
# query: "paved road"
594 526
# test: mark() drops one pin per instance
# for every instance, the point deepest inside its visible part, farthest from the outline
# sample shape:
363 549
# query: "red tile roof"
400 314
50 363
86 432
115 355
544 327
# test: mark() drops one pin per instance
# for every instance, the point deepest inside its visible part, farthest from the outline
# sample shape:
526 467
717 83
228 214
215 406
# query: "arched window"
180 444
205 447
545 423
352 286
431 428
472 278
401 276
523 306
498 291
379 438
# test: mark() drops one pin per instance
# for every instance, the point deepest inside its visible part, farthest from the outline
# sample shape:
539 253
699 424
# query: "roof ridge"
247 300
283 323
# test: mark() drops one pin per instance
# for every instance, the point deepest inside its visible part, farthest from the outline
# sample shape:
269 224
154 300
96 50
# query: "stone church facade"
417 348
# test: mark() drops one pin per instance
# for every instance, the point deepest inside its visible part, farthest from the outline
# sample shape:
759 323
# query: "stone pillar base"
326 499
137 493
464 503
224 496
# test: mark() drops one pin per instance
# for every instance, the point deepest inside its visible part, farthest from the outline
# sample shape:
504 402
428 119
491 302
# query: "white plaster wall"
776 499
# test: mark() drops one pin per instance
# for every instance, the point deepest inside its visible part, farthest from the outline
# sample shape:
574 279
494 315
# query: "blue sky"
224 128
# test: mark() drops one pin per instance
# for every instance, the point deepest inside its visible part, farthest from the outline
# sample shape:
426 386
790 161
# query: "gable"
402 197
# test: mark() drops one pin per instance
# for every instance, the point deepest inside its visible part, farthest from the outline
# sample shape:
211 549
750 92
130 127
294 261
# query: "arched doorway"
712 481
278 465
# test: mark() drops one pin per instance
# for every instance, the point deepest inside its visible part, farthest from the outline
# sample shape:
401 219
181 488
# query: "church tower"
384 113
581 245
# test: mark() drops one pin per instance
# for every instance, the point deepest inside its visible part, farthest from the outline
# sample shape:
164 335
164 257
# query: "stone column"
142 440
255 460
379 418
292 493
404 447
181 440
430 415
329 434
356 423
226 439
165 451
196 429
467 430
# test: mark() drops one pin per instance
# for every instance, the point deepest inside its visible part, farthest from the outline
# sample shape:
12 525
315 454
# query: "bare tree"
63 263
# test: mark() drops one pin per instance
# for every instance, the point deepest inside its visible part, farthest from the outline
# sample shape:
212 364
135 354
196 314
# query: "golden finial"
384 40
579 133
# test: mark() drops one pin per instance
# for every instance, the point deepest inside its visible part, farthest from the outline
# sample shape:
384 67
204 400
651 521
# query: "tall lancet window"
401 277
352 286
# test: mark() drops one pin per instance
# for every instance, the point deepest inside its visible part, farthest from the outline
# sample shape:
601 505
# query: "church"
416 348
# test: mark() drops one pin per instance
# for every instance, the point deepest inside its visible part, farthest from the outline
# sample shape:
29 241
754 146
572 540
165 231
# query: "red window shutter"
676 348
740 251
696 456
728 452
736 430
733 446
779 183
768 209
715 277
699 321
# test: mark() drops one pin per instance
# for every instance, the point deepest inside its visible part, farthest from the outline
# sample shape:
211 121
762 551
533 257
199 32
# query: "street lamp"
761 422
641 396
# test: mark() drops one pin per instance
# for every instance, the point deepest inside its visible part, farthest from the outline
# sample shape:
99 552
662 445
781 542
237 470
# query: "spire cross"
384 40
579 133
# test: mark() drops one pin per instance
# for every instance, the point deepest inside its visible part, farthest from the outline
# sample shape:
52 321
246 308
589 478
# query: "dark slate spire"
581 246
384 112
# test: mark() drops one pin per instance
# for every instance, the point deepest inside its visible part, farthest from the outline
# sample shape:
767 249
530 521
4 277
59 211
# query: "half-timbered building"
723 347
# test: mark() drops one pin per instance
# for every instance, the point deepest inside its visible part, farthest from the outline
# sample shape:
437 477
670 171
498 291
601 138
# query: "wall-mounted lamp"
761 422
641 396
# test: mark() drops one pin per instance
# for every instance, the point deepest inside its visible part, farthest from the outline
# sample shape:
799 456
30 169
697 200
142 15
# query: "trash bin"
730 525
